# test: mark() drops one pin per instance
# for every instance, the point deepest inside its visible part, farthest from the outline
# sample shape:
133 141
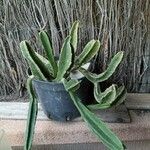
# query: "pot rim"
55 83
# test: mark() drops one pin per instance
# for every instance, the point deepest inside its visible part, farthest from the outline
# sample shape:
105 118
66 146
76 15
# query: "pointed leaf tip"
65 59
74 35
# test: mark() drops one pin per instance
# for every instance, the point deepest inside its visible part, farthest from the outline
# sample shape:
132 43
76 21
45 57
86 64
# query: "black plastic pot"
56 101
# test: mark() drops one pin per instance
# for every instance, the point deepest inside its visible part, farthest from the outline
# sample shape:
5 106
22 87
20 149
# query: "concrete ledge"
134 145
50 132
19 111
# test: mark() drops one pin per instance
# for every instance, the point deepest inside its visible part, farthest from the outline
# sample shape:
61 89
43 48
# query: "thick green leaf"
72 84
25 49
120 96
88 53
65 59
98 106
107 96
74 35
104 97
90 76
32 115
72 61
106 74
39 62
97 91
49 51
98 127
46 62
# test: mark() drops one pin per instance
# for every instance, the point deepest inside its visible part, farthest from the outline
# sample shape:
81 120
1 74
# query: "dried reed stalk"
118 24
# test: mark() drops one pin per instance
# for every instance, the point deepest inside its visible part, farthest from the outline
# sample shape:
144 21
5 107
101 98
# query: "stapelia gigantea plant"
48 69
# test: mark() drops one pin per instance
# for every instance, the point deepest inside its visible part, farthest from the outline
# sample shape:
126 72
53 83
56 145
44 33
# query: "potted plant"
55 82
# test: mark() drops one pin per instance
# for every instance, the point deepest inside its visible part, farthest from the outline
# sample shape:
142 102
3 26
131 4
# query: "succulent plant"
60 71
51 70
